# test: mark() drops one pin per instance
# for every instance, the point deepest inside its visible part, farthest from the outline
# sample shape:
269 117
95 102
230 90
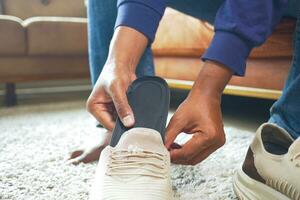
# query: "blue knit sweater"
240 25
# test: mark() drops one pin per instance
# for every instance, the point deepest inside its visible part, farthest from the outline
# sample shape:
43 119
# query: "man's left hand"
200 115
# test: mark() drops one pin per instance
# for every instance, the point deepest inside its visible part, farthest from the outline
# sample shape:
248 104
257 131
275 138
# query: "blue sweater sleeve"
142 15
240 26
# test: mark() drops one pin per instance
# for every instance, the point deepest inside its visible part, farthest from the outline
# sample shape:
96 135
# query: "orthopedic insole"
149 98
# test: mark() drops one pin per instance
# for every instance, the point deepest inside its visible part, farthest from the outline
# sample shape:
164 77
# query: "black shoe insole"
149 98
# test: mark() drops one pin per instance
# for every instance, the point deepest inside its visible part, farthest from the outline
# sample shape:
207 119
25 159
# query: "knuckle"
218 137
118 84
213 134
222 140
113 87
200 137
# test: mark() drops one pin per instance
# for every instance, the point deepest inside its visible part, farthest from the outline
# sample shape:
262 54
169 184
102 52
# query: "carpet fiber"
35 142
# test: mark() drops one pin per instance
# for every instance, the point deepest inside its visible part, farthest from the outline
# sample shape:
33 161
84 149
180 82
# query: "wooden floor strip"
231 90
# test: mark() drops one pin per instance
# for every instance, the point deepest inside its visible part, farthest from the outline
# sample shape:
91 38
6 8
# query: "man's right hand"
108 99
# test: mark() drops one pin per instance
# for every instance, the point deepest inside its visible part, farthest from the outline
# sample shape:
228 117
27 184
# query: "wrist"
116 65
211 80
126 48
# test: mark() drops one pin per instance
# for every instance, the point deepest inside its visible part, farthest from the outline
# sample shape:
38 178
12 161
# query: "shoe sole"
247 188
149 98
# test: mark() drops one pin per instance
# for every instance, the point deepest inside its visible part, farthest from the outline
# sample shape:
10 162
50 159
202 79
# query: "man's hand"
108 98
200 115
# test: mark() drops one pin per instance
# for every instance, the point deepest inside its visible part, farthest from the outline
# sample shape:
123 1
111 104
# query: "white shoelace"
122 161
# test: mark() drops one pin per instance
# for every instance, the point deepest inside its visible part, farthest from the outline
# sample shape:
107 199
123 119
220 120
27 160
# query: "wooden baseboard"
231 90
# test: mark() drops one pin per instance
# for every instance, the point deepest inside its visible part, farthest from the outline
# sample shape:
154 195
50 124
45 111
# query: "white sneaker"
138 168
271 170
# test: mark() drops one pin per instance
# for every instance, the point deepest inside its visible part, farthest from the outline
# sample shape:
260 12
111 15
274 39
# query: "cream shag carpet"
36 140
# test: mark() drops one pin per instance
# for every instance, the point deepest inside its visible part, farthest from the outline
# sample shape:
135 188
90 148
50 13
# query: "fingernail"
128 121
175 146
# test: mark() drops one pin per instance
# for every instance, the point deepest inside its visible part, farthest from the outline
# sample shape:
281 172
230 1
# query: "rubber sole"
149 98
247 188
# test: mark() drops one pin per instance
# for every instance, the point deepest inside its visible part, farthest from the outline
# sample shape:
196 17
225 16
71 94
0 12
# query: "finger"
85 158
123 109
103 116
174 128
75 154
175 146
77 160
92 156
102 111
198 143
203 155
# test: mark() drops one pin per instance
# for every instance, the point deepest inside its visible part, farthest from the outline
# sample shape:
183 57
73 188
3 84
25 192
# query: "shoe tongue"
141 139
295 147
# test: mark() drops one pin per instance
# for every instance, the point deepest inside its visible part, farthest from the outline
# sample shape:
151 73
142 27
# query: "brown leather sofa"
42 40
181 40
47 40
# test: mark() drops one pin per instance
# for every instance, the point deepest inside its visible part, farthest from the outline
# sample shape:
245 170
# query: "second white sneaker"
271 170
137 168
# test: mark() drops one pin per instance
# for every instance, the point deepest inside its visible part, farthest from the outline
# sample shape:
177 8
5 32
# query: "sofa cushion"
56 36
182 35
34 68
30 8
12 36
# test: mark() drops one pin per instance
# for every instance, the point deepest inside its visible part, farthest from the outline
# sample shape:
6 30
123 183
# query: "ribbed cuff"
139 17
230 50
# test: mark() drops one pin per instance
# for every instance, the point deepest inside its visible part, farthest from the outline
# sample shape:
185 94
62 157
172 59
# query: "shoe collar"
269 132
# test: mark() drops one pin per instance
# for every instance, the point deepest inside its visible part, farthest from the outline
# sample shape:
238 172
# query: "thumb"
122 106
174 128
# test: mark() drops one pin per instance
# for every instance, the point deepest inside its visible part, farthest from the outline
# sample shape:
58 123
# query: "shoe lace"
151 163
